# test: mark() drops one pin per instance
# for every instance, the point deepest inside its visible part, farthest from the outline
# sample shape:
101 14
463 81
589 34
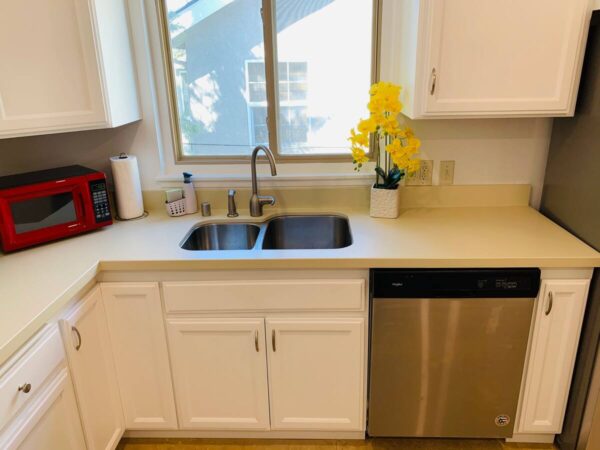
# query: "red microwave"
42 206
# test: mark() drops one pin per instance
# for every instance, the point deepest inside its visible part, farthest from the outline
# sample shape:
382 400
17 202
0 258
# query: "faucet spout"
257 201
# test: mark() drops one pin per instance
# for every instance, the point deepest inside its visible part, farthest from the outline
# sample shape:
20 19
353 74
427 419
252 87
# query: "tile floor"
370 444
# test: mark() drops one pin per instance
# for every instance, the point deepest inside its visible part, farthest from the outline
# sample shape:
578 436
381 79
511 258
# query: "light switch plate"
446 173
423 176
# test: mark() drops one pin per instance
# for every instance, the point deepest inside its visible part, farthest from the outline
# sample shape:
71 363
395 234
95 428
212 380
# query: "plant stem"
378 154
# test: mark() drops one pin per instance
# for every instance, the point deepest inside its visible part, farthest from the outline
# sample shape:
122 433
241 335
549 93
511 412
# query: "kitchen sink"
307 232
286 232
221 236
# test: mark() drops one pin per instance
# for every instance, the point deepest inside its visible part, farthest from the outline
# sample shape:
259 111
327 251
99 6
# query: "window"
300 93
293 104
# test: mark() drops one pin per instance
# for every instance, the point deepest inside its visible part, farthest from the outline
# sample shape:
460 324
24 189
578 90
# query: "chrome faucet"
258 201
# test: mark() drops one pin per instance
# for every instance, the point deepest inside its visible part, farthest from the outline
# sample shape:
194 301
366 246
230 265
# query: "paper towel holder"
146 214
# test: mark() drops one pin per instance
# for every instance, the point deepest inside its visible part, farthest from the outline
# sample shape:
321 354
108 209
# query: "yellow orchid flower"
366 126
401 144
359 157
359 139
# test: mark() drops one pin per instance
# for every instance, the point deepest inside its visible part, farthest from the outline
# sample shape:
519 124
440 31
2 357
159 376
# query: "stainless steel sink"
307 232
221 236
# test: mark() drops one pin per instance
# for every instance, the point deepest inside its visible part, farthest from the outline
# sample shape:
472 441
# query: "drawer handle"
76 331
25 388
273 343
256 341
550 303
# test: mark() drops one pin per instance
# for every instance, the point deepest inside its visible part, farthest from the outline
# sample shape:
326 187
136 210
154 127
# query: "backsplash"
486 151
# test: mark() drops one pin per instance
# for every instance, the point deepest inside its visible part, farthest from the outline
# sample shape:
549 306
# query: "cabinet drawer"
263 295
32 365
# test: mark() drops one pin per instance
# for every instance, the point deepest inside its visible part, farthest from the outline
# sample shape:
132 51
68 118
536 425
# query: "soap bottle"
189 194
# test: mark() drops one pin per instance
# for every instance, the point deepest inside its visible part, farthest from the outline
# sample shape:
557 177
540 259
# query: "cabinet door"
220 373
139 345
50 78
558 319
483 57
316 374
90 357
50 422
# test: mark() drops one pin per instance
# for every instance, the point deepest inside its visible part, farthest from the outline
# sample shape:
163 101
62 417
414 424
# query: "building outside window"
226 83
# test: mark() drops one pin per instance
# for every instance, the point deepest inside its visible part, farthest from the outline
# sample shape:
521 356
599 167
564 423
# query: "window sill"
365 178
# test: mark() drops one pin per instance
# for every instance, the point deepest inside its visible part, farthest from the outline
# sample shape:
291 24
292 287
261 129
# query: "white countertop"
36 283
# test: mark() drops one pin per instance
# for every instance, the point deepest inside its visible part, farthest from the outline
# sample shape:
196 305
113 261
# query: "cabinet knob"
550 302
256 341
273 343
25 388
76 332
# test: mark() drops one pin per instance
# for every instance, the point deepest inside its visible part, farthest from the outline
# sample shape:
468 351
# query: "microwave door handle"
82 206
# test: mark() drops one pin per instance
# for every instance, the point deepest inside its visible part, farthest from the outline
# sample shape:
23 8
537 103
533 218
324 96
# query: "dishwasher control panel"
455 283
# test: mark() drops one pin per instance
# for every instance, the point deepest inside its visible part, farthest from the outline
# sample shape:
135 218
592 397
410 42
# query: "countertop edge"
350 263
47 314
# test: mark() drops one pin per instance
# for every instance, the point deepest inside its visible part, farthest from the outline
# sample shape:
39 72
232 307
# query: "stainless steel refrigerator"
571 197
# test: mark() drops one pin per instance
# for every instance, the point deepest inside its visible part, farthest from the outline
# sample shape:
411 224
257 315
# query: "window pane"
256 71
298 91
218 56
283 71
257 92
298 71
259 120
326 48
293 125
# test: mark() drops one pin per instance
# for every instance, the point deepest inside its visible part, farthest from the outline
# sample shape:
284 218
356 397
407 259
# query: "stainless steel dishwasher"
447 350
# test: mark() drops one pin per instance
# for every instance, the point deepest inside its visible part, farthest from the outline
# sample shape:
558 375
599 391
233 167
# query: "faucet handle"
231 208
266 200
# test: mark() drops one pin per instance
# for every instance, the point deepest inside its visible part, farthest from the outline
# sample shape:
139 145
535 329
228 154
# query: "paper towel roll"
128 188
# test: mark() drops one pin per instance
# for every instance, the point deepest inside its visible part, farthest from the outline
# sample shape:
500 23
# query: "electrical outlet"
446 172
421 177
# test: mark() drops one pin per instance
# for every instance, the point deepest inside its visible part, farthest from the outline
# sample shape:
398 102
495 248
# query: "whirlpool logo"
502 420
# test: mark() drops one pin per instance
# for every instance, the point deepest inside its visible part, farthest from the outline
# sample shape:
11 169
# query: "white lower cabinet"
220 373
50 422
316 373
556 329
260 353
139 346
37 403
315 379
90 358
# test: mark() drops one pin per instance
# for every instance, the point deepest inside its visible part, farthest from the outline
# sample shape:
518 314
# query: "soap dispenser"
189 194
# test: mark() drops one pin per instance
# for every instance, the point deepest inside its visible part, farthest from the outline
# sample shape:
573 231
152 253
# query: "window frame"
270 43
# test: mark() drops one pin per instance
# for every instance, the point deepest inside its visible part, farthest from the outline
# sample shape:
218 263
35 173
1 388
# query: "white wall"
486 151
489 151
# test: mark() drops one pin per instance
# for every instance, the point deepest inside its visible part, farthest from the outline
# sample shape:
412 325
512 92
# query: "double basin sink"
285 232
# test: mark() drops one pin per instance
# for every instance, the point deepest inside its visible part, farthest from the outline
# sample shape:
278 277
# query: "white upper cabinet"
67 65
484 58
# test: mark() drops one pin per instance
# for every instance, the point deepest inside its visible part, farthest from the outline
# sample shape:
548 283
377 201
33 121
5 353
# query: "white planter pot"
384 203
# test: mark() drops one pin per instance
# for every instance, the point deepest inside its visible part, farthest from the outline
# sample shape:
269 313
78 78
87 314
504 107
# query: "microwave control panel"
100 200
